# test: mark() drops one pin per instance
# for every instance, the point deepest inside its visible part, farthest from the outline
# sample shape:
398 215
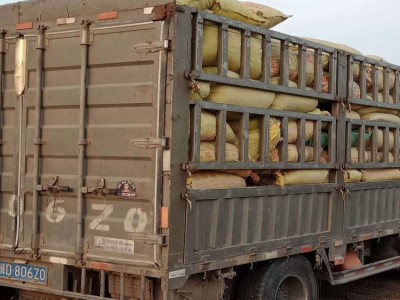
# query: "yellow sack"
354 155
214 180
356 69
276 61
293 154
351 176
381 117
294 103
207 152
214 71
392 77
254 136
379 140
351 114
293 131
199 90
379 157
299 177
380 98
209 129
365 110
210 51
240 96
380 175
271 16
199 4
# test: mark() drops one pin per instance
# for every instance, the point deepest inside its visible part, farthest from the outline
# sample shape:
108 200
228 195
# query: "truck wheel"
291 279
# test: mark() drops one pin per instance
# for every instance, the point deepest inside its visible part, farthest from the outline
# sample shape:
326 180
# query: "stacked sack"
233 95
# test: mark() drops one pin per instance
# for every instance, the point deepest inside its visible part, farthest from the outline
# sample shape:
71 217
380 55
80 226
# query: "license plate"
23 272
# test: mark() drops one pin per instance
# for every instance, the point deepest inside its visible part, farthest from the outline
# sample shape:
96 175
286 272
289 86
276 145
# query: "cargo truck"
99 136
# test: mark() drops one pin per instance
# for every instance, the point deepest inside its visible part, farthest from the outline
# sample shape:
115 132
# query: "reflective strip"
107 16
24 26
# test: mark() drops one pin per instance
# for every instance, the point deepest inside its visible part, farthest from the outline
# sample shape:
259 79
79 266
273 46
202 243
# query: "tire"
289 279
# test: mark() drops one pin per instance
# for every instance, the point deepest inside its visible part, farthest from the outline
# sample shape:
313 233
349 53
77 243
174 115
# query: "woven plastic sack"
199 90
381 117
210 50
294 103
351 176
355 156
271 16
209 129
380 175
356 69
293 131
199 4
379 157
380 72
351 114
240 96
214 180
207 152
293 153
254 136
250 13
299 177
379 140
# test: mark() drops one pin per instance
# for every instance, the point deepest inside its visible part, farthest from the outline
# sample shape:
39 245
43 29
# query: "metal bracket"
324 257
160 240
52 187
151 143
99 189
153 47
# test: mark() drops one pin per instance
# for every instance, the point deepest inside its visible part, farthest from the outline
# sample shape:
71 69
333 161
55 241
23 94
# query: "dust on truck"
157 151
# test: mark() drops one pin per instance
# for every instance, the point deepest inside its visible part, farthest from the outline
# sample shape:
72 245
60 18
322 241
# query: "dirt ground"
385 286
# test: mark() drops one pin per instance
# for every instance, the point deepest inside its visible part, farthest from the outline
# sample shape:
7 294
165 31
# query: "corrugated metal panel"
121 104
228 226
371 208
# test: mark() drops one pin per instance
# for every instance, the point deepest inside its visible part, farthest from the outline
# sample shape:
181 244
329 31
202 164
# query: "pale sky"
371 26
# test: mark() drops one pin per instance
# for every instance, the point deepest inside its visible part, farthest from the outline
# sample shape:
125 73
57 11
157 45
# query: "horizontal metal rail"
288 46
371 130
264 160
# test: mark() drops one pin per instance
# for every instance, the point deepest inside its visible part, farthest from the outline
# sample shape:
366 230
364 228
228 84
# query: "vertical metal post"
318 70
83 281
284 66
266 59
302 64
40 46
198 34
245 55
102 283
363 80
223 50
85 44
3 51
220 145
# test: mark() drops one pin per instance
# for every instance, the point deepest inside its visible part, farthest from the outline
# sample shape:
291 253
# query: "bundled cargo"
208 152
215 180
297 177
209 129
254 136
380 175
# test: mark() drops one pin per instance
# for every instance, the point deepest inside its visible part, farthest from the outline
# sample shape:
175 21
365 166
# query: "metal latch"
99 189
153 47
150 143
52 187
160 240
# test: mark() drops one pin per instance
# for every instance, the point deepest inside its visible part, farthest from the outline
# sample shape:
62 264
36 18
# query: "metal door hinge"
151 143
153 47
